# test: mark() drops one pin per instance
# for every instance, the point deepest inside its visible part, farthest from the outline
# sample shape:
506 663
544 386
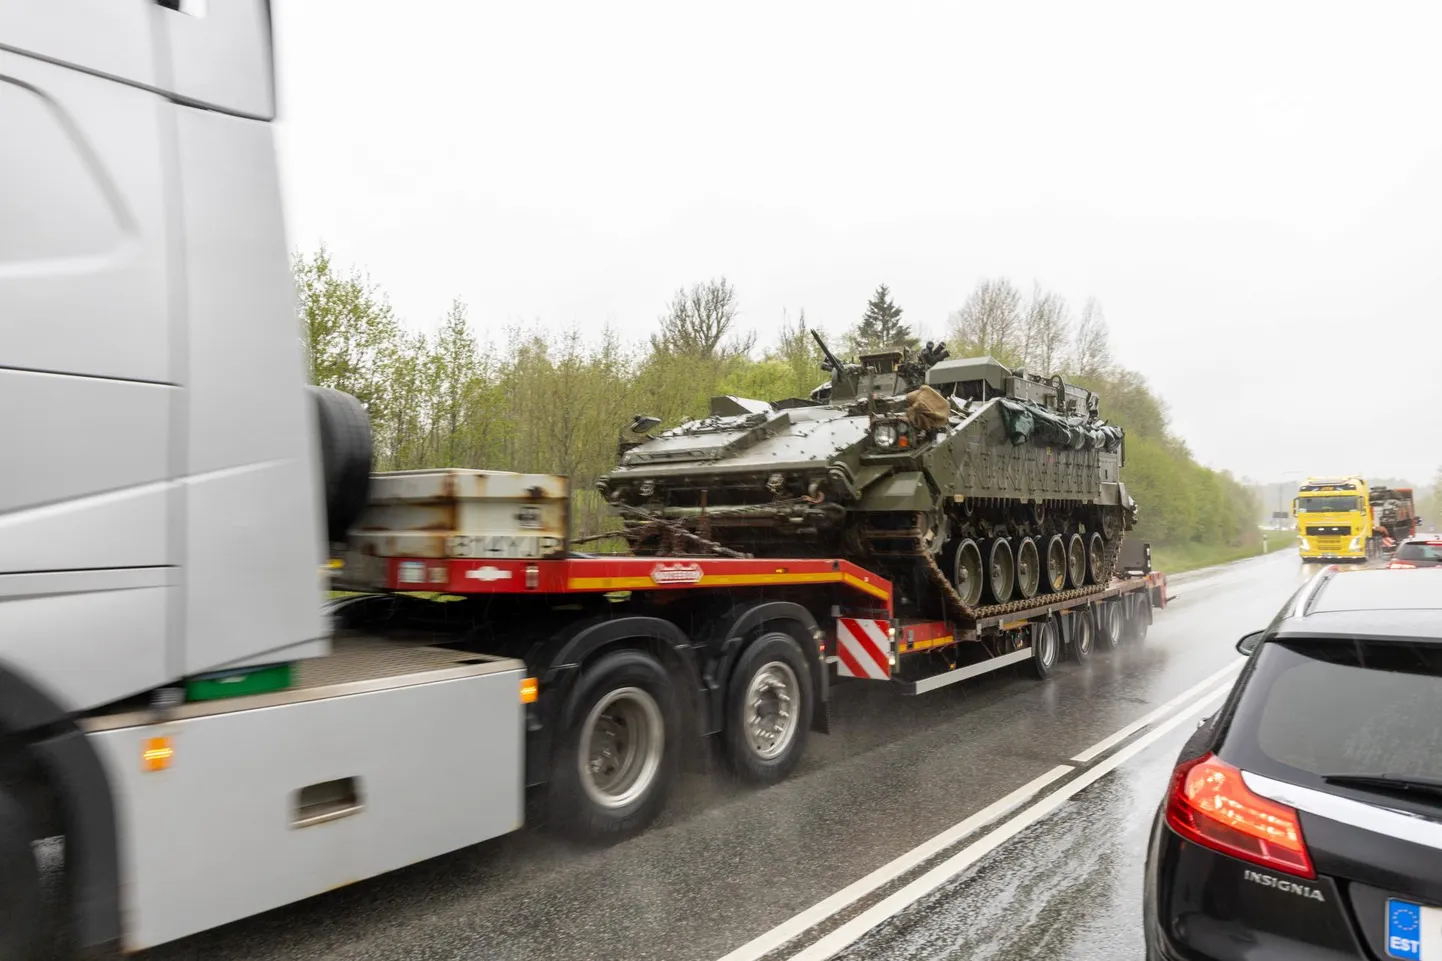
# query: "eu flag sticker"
1404 930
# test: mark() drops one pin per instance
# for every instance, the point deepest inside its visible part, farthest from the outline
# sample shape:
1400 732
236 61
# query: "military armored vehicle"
974 486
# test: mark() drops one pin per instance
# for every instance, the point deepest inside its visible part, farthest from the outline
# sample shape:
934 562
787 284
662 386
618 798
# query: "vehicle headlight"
1355 541
1303 542
647 488
884 435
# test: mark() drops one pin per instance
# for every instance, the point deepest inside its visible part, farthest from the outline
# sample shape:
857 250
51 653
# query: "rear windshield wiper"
1396 783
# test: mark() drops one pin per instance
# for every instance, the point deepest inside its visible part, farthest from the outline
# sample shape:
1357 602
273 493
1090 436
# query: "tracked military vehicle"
975 487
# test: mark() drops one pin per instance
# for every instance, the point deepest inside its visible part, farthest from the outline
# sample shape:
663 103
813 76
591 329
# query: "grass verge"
1175 559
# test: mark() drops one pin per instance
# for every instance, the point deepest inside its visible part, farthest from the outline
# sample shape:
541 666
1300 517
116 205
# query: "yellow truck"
1334 520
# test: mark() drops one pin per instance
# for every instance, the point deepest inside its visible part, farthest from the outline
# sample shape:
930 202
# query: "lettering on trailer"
863 648
676 573
1281 884
502 545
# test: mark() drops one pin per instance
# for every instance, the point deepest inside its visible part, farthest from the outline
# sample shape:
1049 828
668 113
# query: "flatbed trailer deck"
854 615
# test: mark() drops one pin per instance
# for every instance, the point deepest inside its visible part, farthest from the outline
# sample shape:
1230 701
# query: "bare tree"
1092 352
698 321
1046 329
989 322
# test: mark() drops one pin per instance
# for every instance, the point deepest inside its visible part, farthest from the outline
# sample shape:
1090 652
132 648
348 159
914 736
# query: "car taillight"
1210 805
1400 565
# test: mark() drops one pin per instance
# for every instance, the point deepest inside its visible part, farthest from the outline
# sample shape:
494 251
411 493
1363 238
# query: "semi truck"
238 670
1345 519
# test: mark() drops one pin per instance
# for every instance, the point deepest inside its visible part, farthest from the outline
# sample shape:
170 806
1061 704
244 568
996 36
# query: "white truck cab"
162 516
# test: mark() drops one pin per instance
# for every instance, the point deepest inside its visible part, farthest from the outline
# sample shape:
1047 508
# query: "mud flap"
821 684
821 717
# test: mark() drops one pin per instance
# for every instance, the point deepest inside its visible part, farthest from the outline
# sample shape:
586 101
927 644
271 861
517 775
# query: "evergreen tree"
881 327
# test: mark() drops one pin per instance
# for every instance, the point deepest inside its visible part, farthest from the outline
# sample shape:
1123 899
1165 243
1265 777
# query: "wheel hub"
769 707
621 744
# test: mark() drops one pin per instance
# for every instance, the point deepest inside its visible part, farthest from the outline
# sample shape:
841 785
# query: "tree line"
533 398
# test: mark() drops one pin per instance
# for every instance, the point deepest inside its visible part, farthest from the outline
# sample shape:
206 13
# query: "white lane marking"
849 932
1107 744
769 941
820 911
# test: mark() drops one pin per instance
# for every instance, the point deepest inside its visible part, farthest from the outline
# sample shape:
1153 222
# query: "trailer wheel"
1143 621
1083 634
616 763
768 709
1045 648
1135 629
21 898
1109 624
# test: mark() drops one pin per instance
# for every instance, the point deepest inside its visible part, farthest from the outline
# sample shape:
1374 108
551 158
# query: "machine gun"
830 363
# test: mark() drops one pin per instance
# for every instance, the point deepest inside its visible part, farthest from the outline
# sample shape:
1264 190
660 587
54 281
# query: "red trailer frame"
865 639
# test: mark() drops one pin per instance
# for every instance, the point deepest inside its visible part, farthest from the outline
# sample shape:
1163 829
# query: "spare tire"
344 432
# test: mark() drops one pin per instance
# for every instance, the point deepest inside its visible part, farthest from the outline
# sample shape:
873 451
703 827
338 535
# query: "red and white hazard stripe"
863 648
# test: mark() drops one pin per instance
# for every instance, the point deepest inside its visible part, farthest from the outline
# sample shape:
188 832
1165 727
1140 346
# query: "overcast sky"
1251 190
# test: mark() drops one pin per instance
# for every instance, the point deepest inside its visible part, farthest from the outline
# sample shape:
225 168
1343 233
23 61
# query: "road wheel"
768 709
1028 567
1109 624
620 736
1096 556
1076 562
21 898
1045 648
1000 570
966 571
1054 568
1083 634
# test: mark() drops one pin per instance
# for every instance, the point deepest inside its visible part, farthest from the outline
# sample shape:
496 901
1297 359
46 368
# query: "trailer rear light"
1401 565
158 754
530 690
533 577
1209 804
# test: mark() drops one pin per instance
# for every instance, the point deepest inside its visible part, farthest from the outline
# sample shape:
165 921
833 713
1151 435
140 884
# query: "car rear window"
1419 552
1340 707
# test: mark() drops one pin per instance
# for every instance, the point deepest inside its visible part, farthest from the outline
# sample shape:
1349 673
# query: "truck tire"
1137 623
768 709
344 433
1109 624
21 897
1045 648
1083 634
616 759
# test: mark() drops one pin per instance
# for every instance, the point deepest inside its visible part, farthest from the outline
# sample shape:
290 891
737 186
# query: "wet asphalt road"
1068 887
727 863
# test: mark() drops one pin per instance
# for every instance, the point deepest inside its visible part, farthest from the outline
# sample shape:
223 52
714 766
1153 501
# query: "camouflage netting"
1026 422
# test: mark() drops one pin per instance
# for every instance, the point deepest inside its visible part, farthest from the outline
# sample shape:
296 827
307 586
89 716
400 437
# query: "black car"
1418 552
1304 818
